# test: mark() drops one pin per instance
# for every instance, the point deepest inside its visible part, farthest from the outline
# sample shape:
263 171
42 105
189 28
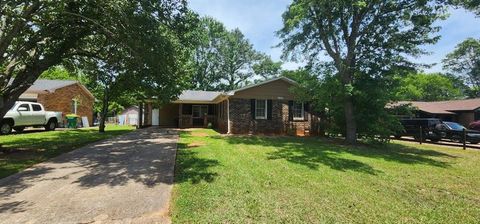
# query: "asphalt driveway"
127 179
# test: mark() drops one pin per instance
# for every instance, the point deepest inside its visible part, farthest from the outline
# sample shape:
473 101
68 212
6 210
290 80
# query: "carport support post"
464 139
140 115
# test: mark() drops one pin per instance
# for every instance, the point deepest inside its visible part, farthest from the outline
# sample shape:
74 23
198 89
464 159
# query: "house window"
74 106
260 109
298 111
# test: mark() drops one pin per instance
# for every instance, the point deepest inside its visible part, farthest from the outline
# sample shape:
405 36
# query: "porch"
179 115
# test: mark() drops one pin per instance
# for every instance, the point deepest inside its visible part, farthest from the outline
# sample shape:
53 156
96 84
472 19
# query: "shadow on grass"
190 168
312 152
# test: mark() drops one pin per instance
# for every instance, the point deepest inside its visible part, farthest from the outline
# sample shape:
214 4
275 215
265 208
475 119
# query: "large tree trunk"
351 124
103 113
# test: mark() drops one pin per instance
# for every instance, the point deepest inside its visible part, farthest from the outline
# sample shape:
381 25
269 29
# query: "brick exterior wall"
241 121
61 100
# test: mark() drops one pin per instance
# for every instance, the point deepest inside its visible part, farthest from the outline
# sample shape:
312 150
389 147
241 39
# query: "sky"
259 19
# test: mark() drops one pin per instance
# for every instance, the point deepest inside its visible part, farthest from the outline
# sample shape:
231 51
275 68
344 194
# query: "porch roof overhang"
219 98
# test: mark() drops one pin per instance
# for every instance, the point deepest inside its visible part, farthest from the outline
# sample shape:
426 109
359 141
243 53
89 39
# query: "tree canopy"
472 5
429 87
464 62
226 60
151 40
365 42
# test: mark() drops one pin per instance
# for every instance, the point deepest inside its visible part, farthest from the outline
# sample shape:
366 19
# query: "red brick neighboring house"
68 97
264 108
461 111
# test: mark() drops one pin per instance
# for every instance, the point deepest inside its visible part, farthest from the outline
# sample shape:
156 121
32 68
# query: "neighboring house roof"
43 85
131 109
444 107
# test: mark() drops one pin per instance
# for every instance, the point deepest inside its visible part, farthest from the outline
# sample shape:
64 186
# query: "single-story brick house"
461 111
264 108
66 96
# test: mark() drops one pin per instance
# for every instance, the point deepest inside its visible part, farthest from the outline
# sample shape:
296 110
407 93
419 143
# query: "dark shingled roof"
43 85
196 95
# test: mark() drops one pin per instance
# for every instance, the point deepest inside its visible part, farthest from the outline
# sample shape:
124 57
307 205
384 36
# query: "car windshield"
455 126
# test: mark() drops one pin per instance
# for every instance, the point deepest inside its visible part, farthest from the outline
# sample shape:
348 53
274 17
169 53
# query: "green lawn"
28 149
296 180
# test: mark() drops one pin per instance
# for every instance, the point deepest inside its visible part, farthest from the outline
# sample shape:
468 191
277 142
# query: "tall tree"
58 73
152 62
464 62
238 57
36 35
365 40
267 68
472 5
430 87
207 60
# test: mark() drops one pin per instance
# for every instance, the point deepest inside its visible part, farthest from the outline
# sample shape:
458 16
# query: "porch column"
148 114
140 113
180 123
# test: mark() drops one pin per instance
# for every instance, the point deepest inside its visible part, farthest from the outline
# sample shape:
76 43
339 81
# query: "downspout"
228 116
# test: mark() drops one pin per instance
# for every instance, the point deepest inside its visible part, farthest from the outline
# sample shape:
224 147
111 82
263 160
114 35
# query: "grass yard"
28 149
293 180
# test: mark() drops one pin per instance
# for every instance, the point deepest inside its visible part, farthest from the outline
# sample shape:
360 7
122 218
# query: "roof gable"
44 85
285 79
275 89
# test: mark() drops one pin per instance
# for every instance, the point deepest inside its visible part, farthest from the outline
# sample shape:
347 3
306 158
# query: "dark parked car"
474 126
412 128
454 132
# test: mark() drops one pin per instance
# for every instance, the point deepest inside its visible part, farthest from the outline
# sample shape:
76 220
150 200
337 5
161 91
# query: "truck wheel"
19 129
5 128
51 125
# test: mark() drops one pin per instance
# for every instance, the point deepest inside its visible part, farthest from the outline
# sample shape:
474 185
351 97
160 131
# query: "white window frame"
259 117
303 112
75 106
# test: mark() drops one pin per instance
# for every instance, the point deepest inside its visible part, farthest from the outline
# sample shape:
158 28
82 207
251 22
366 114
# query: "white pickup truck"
28 114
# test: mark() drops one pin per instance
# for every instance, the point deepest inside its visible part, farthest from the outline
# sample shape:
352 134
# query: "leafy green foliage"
144 46
206 60
365 41
472 5
320 86
430 87
464 62
225 59
267 68
58 73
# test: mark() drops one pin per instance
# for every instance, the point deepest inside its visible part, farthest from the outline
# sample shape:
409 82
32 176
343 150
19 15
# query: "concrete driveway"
127 179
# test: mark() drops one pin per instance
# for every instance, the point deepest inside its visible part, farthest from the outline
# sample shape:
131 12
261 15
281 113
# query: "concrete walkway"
127 179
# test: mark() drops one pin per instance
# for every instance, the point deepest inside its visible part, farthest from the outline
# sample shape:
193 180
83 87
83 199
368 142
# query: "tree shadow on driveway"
146 157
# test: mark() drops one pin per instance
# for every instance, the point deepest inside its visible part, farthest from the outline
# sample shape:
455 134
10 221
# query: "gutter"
228 116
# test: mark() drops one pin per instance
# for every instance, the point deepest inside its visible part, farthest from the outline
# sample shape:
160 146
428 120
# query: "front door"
155 117
199 112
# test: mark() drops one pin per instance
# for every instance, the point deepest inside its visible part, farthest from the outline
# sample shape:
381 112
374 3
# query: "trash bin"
72 121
